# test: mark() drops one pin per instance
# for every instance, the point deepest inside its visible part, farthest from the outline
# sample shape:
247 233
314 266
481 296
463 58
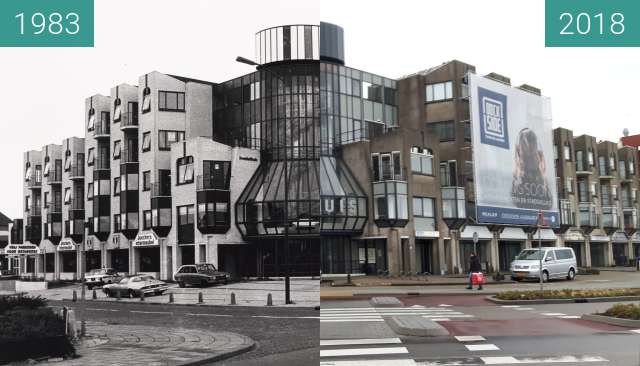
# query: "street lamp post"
539 224
287 280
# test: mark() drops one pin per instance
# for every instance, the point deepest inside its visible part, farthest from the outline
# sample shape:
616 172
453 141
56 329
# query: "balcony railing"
76 171
34 183
588 215
76 204
54 206
34 211
208 182
102 128
605 172
567 214
582 167
161 189
129 120
128 156
54 177
102 164
609 217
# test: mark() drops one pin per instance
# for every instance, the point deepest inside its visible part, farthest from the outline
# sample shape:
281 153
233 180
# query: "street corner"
109 344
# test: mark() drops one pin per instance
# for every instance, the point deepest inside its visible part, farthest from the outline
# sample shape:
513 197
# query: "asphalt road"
283 335
480 333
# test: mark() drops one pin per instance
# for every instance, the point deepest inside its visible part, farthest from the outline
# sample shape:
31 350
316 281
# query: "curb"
425 284
611 320
220 357
89 301
563 301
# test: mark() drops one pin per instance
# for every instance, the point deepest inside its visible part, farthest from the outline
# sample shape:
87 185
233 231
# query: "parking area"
304 293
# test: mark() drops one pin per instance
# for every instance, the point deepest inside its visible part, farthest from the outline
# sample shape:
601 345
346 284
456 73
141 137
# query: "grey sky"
592 90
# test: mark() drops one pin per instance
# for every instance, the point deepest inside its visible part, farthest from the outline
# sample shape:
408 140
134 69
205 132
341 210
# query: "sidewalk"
304 293
153 346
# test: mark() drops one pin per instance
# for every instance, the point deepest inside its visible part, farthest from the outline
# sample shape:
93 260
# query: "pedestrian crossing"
371 314
364 352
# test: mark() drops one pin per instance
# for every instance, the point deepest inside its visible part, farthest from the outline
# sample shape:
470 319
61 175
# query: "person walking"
474 267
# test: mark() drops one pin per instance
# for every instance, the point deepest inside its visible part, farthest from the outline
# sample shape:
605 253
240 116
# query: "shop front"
576 241
23 258
512 241
427 252
118 253
619 246
146 253
635 241
546 236
68 257
598 246
482 248
344 255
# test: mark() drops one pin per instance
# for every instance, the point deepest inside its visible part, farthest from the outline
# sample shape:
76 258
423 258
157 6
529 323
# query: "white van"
558 262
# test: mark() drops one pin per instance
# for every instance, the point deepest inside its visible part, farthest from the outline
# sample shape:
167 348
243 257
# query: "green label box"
46 23
592 23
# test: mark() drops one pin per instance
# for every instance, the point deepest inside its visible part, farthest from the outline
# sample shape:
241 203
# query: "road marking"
284 317
554 314
350 320
561 359
445 305
150 312
510 306
499 360
482 347
344 342
441 319
448 316
470 338
524 309
403 362
570 317
218 315
96 309
363 351
635 331
417 306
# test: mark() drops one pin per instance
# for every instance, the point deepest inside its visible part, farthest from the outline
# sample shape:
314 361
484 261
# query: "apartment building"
5 239
304 165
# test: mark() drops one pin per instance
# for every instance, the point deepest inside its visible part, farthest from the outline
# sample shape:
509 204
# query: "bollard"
118 295
141 295
170 297
75 296
200 300
269 300
94 295
83 291
83 328
349 278
71 324
233 298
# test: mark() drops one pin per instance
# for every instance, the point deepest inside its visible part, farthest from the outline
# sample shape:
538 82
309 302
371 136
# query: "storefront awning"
545 234
636 237
483 232
619 237
573 236
67 245
599 238
513 233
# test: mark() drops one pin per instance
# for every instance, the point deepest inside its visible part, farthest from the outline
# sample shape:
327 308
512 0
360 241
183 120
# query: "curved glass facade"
288 42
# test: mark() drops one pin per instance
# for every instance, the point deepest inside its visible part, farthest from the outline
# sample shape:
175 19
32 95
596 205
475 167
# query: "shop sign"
636 237
427 234
22 249
145 239
599 238
619 237
66 245
573 236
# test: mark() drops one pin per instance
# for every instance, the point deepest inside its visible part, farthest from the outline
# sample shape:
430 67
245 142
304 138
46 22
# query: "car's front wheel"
572 274
132 294
545 276
107 292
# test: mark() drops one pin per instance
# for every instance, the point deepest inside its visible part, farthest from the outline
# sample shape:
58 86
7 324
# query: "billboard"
513 163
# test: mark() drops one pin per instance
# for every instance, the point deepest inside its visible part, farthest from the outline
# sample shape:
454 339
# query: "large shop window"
166 138
171 101
421 161
439 91
185 170
424 214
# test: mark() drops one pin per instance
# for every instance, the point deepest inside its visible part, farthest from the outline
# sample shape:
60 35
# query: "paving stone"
385 302
416 326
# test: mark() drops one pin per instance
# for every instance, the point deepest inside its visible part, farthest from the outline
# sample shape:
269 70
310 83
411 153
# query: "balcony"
129 121
605 173
567 216
161 189
627 203
128 156
54 177
34 183
610 219
208 182
102 164
76 172
588 217
76 204
34 211
102 129
54 207
453 207
390 202
583 168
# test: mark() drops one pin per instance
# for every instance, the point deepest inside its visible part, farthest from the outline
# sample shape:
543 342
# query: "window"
46 199
594 189
27 173
590 158
27 203
632 168
424 213
47 167
117 225
166 138
67 195
146 100
67 161
421 161
567 152
117 110
439 91
185 215
445 131
555 152
90 191
147 220
467 130
116 186
146 180
386 166
448 173
171 101
91 124
185 170
90 156
216 174
116 150
612 163
614 192
569 185
146 141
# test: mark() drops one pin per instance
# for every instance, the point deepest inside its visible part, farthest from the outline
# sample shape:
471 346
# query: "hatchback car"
133 286
102 276
556 263
200 275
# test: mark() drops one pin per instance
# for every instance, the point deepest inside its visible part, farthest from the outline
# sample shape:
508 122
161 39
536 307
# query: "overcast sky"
592 90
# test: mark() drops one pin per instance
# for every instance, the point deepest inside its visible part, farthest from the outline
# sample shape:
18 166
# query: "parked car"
102 276
556 263
133 286
200 275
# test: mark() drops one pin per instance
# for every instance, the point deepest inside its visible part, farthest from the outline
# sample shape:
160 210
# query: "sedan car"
102 276
200 275
133 286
